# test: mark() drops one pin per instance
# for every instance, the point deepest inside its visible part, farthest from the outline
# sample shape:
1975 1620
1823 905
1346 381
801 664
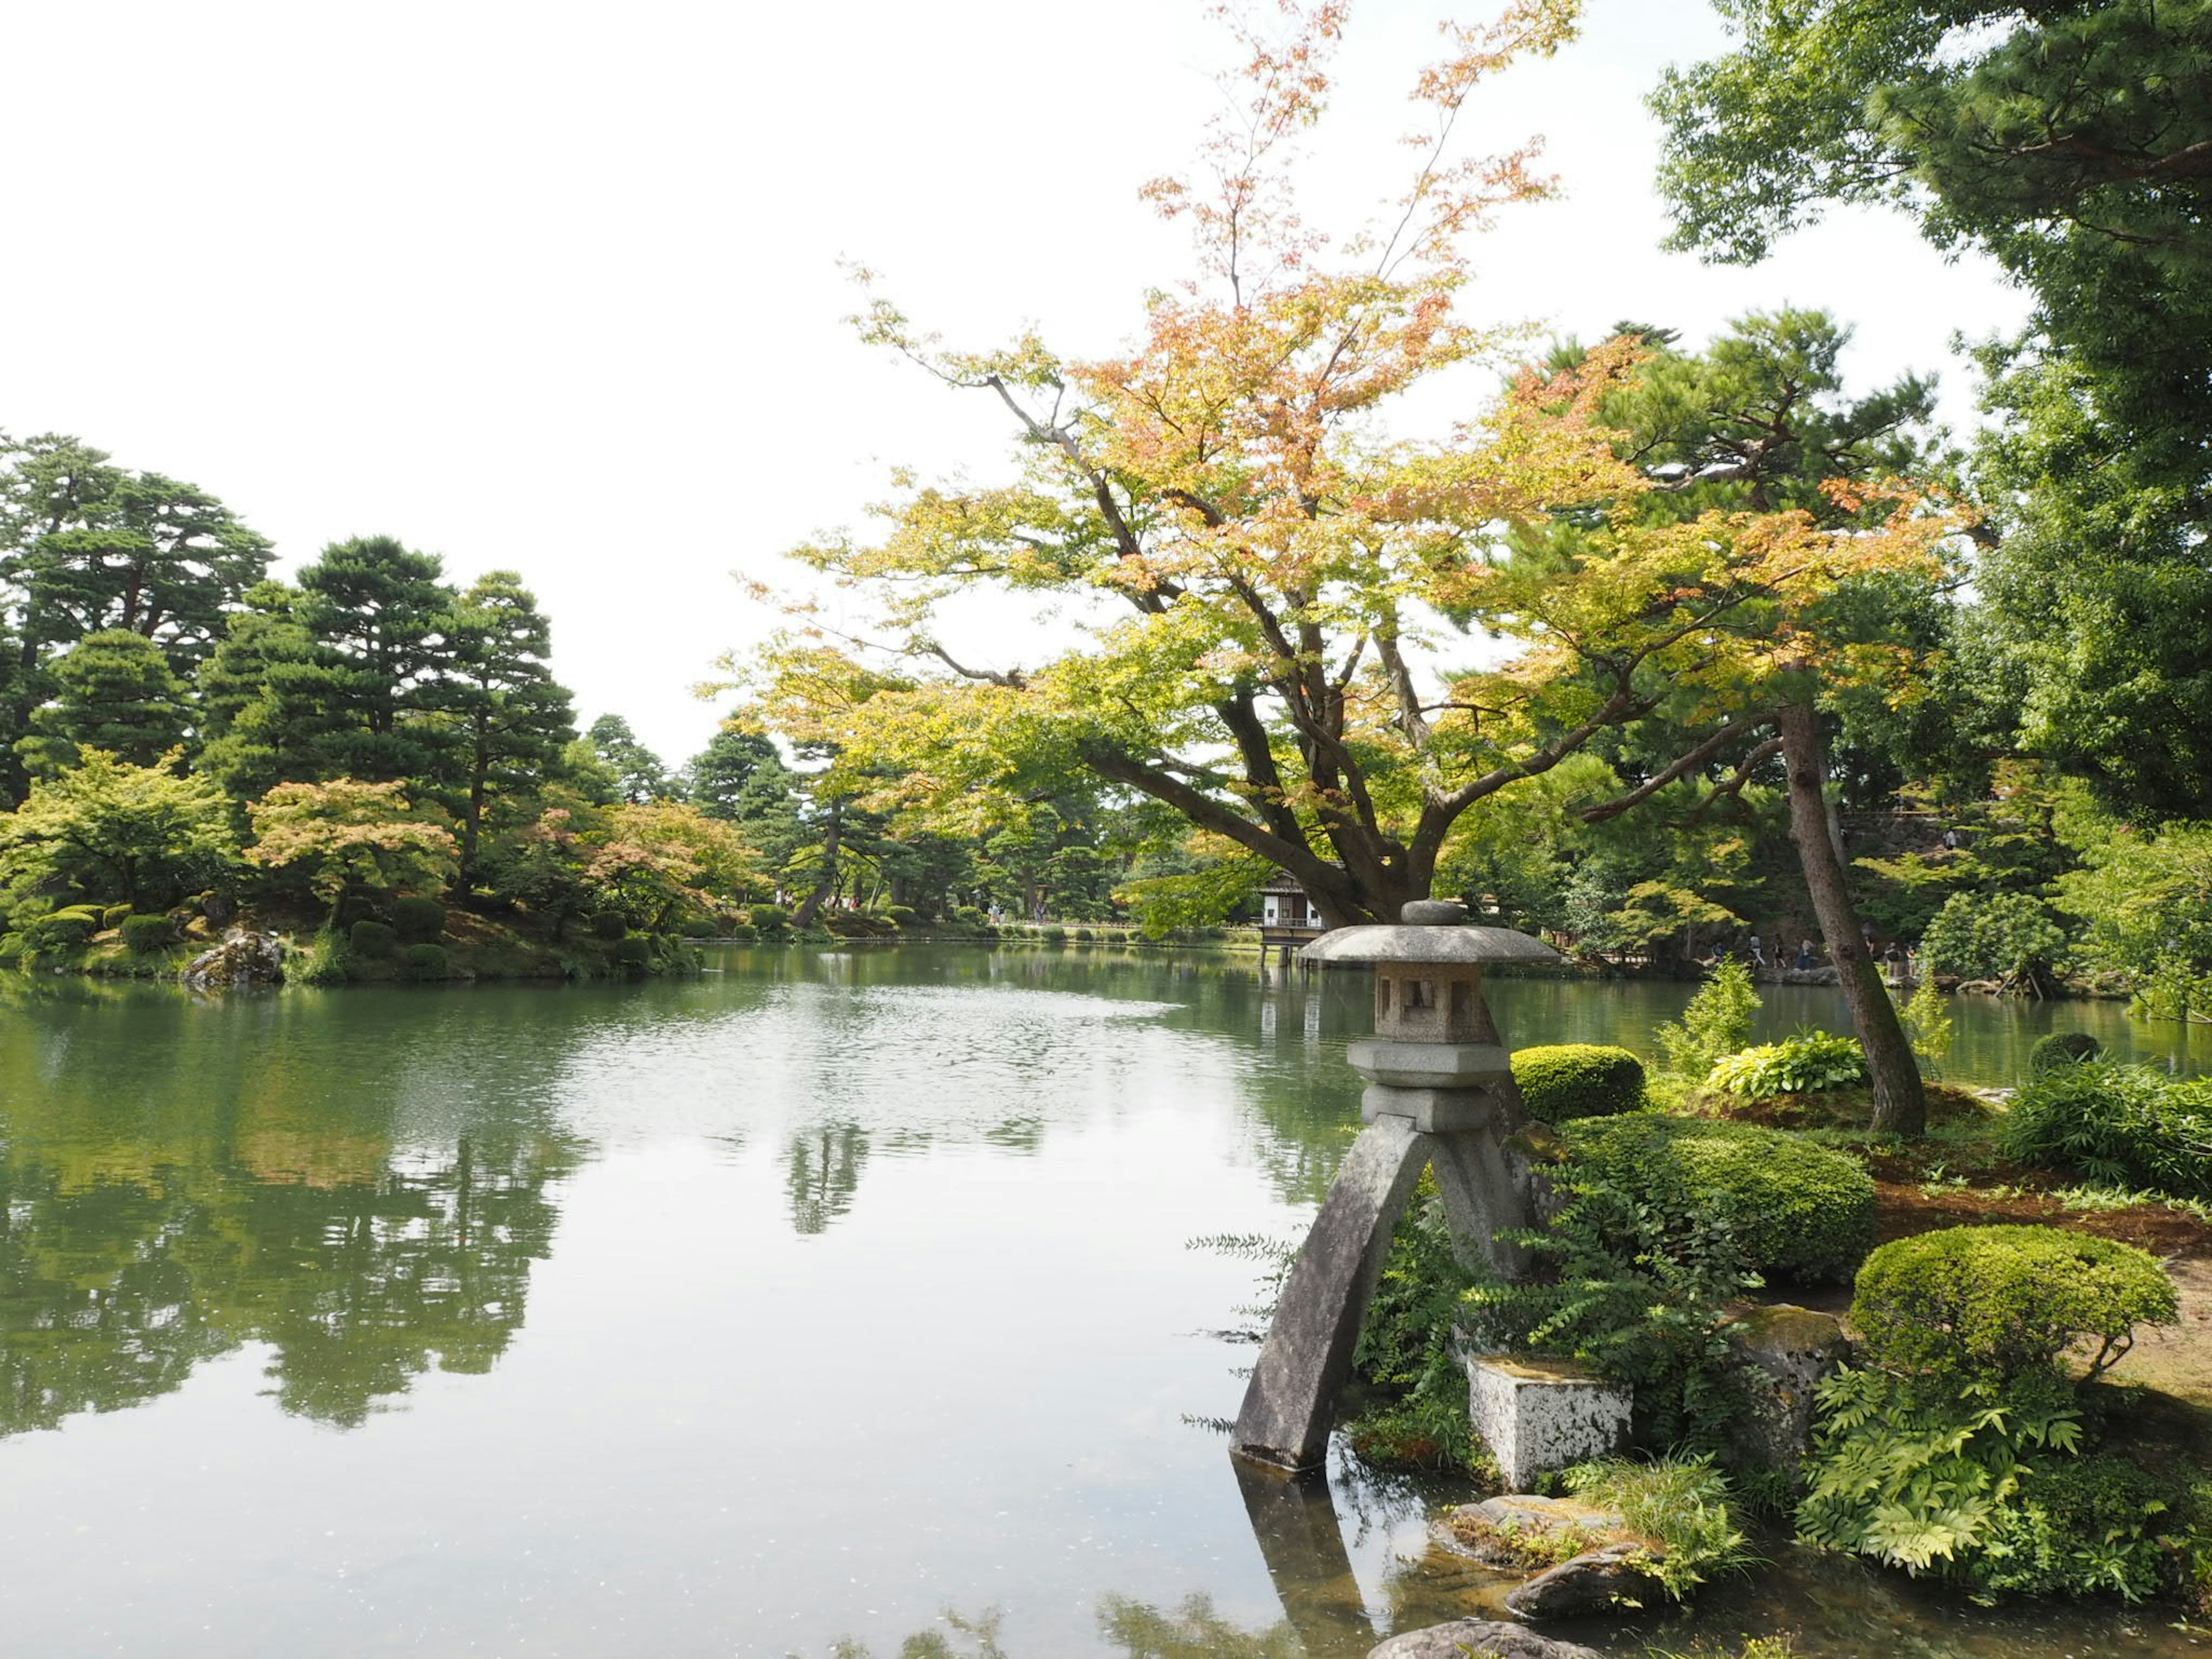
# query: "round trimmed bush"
766 918
425 961
2062 1048
609 925
2003 1301
1797 1210
115 915
417 921
635 951
743 930
1565 1080
146 934
900 916
373 939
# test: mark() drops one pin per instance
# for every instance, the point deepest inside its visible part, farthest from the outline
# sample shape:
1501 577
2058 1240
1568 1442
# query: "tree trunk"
1901 1107
809 906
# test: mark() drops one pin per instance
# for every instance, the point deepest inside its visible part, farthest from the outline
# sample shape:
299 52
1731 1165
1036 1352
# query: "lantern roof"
1429 930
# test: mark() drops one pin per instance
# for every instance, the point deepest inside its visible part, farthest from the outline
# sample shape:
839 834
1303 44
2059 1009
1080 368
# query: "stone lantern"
1440 1093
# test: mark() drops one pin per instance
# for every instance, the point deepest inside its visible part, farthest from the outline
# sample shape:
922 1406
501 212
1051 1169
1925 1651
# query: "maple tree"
1294 576
346 833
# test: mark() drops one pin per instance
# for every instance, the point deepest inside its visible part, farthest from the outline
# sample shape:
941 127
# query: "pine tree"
504 694
115 691
638 771
716 778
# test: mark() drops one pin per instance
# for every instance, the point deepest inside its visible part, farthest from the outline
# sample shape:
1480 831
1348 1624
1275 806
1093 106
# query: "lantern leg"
1483 1194
1307 1357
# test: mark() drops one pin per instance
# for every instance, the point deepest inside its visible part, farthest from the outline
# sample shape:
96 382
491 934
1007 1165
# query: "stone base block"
1435 1111
1540 1415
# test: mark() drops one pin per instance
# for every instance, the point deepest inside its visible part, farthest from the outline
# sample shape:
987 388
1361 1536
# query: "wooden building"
1287 916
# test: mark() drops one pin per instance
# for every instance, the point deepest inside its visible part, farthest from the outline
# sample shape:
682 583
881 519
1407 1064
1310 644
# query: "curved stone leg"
1307 1356
1483 1194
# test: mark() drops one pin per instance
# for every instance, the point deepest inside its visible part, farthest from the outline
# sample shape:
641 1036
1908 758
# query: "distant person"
1893 960
1758 950
1805 958
1950 840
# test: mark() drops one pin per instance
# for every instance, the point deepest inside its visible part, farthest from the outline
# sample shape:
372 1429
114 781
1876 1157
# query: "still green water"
796 1303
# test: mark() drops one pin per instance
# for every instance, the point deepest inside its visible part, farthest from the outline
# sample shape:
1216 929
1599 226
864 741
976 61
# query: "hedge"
425 961
1797 1210
146 934
417 921
1568 1080
372 939
1999 1302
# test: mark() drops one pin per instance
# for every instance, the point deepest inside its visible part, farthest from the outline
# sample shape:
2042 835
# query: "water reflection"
824 1168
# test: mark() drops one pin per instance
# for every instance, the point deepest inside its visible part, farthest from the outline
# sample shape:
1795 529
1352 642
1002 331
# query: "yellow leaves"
347 831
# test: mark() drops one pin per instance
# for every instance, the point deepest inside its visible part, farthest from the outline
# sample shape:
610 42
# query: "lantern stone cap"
1430 930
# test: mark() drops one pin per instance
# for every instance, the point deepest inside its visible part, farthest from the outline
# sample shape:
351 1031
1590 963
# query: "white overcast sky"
554 287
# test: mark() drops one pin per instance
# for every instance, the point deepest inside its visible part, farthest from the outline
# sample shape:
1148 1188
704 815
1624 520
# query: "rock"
244 958
1596 1581
1524 1531
1783 1353
1479 1637
1808 976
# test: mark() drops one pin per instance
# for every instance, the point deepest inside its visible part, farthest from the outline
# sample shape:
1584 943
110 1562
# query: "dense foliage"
1962 1448
2118 1125
1794 1209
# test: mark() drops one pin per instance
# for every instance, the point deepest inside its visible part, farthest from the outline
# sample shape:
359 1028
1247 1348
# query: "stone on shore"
1782 1354
1596 1581
1524 1531
1486 1638
243 958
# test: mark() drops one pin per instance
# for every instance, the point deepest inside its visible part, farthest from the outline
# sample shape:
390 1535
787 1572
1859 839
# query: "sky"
557 289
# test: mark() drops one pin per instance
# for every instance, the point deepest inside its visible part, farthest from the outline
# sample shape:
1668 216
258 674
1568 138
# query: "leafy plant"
2124 1126
2002 1303
1800 1065
1717 1022
1679 1504
1914 1473
1927 1026
1988 1483
1636 1286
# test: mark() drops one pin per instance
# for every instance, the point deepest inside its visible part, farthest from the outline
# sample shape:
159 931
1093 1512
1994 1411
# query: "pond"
799 1303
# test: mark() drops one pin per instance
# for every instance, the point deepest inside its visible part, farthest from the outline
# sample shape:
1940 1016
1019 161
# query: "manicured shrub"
1796 1210
766 918
417 921
609 925
115 915
971 914
58 932
425 961
635 951
1056 935
900 916
2121 1126
146 934
2062 1048
1800 1065
373 940
743 930
2000 1302
1567 1080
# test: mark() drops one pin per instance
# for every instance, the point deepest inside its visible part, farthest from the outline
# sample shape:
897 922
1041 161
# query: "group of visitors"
1899 964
